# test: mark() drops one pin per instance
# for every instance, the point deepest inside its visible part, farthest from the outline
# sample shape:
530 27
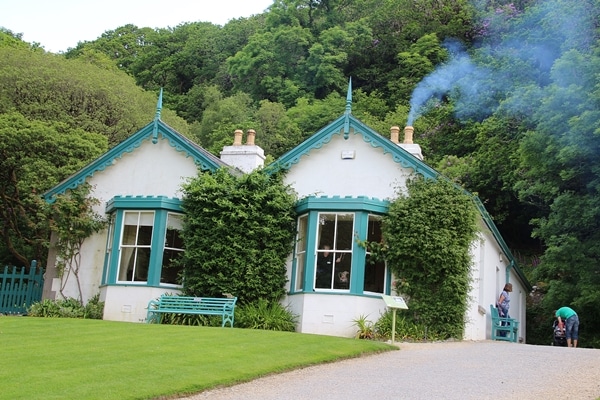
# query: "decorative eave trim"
144 203
202 158
355 127
338 203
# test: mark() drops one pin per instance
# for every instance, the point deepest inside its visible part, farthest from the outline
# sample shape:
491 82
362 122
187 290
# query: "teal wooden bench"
503 328
169 304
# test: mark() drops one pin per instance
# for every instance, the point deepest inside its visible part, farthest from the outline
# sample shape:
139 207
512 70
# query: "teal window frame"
116 208
310 208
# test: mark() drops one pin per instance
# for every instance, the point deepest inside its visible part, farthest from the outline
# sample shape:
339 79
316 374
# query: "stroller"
560 338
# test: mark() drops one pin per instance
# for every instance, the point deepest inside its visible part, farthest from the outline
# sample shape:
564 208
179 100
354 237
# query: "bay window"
327 255
144 243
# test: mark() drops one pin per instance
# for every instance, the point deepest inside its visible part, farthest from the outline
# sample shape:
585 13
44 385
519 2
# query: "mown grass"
48 358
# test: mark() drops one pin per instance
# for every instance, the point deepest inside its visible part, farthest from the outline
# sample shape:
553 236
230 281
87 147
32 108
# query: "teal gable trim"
352 125
203 159
337 203
144 203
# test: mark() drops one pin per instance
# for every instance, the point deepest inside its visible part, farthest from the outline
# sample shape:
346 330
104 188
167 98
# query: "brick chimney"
407 144
245 157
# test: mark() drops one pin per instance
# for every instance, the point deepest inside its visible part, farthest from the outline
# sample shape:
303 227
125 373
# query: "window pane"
144 236
302 234
142 263
135 245
374 233
170 272
374 276
301 251
345 232
131 218
126 263
374 269
171 269
129 234
324 273
326 230
334 255
300 260
175 221
147 218
342 270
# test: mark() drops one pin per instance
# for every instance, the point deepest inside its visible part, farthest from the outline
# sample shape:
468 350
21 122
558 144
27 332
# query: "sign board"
394 302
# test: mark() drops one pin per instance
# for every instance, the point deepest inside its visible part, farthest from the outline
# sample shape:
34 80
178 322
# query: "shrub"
262 314
67 308
406 329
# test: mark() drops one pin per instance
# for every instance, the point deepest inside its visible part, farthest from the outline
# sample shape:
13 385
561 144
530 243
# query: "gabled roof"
203 159
346 125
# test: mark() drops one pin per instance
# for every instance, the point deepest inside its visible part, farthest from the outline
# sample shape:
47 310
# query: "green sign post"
395 303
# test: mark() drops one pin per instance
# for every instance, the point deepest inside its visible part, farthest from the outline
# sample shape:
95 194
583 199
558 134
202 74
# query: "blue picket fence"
20 289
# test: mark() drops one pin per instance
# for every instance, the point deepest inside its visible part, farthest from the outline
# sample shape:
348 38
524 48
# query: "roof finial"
157 117
349 97
348 109
159 104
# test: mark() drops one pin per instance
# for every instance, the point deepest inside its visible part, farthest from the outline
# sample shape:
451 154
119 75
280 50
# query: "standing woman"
504 300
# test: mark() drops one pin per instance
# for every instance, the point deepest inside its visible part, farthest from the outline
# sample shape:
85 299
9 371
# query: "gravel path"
448 370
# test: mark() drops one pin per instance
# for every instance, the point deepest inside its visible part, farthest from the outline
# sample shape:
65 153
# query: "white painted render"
323 172
151 170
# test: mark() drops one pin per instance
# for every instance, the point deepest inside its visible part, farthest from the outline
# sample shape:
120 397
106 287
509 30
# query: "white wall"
323 172
488 279
129 303
331 314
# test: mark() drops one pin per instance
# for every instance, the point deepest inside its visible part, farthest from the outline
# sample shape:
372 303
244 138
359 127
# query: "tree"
560 173
34 156
269 66
221 117
276 132
48 87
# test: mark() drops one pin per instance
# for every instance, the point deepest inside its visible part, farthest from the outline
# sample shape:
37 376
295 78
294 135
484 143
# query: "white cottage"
344 176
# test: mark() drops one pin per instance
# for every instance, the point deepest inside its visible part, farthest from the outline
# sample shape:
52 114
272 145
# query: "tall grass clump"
267 315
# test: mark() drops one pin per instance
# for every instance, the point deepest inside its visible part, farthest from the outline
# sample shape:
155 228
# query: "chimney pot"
237 137
408 134
250 138
395 134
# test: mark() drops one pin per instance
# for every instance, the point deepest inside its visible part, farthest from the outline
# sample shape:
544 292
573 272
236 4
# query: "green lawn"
47 358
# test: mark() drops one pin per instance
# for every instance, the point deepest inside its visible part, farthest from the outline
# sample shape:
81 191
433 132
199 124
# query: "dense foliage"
428 234
504 96
238 233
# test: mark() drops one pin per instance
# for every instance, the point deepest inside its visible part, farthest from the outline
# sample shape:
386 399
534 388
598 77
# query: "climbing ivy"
428 234
238 233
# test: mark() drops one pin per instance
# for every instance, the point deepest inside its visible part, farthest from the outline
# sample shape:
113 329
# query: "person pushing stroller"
568 320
